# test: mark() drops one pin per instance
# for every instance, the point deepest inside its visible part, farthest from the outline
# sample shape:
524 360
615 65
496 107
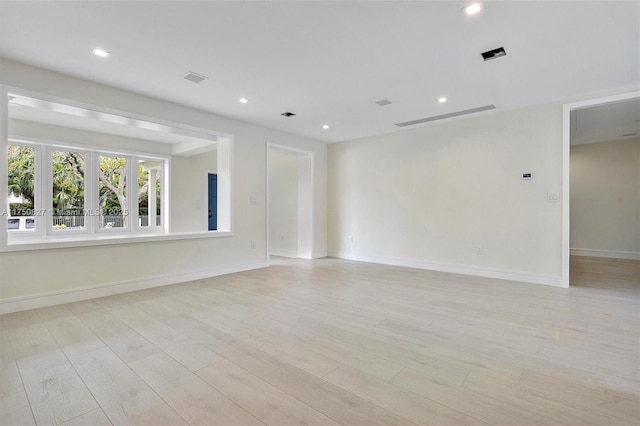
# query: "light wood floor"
331 342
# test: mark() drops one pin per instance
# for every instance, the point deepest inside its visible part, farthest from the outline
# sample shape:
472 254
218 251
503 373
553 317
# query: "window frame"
39 220
96 218
47 179
44 230
163 170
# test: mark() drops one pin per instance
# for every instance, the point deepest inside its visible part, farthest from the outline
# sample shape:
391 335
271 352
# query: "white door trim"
306 165
566 150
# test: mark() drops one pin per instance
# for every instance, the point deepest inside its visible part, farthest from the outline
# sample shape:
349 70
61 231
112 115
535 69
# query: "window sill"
103 240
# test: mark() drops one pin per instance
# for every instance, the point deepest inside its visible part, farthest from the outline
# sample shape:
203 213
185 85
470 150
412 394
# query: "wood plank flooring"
329 342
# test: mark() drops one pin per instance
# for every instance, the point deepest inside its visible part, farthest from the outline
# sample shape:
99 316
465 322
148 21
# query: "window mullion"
45 195
91 192
4 145
132 193
40 207
166 196
163 209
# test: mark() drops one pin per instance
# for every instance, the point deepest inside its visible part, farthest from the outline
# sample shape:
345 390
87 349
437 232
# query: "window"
14 223
68 194
149 193
21 187
60 192
112 181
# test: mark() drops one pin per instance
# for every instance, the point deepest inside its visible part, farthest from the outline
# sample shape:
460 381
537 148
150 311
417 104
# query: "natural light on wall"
75 174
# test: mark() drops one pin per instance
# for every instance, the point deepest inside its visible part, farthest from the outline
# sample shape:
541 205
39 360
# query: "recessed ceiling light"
244 100
442 99
101 52
472 9
326 127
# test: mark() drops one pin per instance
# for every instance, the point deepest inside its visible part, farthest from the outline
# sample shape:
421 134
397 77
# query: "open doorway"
600 171
289 202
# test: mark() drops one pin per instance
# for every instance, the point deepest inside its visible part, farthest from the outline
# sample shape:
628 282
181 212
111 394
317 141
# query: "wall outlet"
253 201
480 250
252 244
553 197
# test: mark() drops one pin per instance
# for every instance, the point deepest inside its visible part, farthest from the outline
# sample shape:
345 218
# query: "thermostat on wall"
527 176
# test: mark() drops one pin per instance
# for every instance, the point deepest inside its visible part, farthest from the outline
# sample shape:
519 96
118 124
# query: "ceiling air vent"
443 116
626 135
194 77
287 114
493 54
383 102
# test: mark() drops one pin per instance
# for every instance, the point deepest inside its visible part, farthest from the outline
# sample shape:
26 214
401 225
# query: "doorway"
571 113
289 202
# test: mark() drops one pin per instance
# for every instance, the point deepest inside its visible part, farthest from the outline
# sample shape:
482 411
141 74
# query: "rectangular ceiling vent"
383 102
194 77
443 116
287 114
493 54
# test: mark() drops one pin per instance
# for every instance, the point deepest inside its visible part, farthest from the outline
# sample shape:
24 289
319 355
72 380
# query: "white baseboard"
76 295
629 255
283 253
487 273
319 255
294 255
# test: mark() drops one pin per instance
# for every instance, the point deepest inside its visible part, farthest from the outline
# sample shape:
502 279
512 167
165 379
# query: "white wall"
189 184
429 197
28 274
283 204
605 199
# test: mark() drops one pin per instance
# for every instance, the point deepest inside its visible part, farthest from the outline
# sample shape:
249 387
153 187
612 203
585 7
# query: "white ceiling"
604 123
330 61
